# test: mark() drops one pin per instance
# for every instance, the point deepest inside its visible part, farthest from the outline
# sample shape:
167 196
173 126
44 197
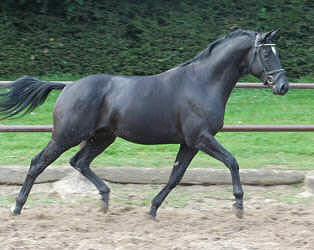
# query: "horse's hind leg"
38 164
81 161
183 159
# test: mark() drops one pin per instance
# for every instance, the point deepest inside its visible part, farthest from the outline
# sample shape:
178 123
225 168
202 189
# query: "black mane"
206 52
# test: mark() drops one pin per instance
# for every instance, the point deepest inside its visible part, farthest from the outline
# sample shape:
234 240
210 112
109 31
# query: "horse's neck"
223 68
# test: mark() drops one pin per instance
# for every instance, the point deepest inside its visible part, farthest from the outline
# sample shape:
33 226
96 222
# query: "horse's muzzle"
281 88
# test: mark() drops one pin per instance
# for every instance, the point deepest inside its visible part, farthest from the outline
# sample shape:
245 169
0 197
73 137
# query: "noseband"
269 77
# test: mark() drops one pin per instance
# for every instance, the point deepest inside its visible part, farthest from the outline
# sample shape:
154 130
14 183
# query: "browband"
266 44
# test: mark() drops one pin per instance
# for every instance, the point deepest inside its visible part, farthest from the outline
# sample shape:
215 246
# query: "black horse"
184 105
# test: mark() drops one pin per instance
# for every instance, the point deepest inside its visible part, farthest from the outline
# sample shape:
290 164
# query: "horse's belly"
145 121
149 135
152 140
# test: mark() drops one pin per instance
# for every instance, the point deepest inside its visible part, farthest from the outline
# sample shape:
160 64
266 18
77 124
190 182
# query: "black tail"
25 94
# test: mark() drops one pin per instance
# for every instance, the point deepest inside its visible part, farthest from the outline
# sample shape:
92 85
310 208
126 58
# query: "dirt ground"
194 217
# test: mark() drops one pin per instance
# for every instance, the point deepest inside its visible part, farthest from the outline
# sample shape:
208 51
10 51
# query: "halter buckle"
269 81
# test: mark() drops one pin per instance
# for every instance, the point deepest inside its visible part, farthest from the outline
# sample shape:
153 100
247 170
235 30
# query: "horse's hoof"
14 211
238 211
151 217
104 207
153 212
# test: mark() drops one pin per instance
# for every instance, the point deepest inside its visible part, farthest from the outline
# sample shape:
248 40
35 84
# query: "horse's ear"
275 34
269 35
265 36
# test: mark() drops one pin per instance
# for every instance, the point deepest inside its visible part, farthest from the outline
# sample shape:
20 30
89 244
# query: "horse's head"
265 63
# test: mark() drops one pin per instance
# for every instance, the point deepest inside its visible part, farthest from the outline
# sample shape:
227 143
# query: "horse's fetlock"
238 194
104 191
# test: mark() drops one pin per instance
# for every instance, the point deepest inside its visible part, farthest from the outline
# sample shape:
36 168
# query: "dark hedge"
82 37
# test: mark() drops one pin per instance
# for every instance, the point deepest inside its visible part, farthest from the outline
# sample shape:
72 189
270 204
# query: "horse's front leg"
208 144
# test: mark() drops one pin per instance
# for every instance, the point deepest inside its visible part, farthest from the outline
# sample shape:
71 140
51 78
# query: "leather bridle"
269 77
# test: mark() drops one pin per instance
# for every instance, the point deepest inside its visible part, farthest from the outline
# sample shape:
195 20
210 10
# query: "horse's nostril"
283 88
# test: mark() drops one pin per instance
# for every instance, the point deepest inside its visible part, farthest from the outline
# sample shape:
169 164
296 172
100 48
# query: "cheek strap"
267 75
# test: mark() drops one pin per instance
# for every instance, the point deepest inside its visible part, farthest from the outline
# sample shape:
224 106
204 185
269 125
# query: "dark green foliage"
82 37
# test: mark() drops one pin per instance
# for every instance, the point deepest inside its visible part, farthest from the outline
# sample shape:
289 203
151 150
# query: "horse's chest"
205 115
207 110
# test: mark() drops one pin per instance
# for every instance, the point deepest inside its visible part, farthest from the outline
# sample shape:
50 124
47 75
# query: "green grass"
283 150
4 201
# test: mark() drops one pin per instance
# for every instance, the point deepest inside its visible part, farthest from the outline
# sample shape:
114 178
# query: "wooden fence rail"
226 128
